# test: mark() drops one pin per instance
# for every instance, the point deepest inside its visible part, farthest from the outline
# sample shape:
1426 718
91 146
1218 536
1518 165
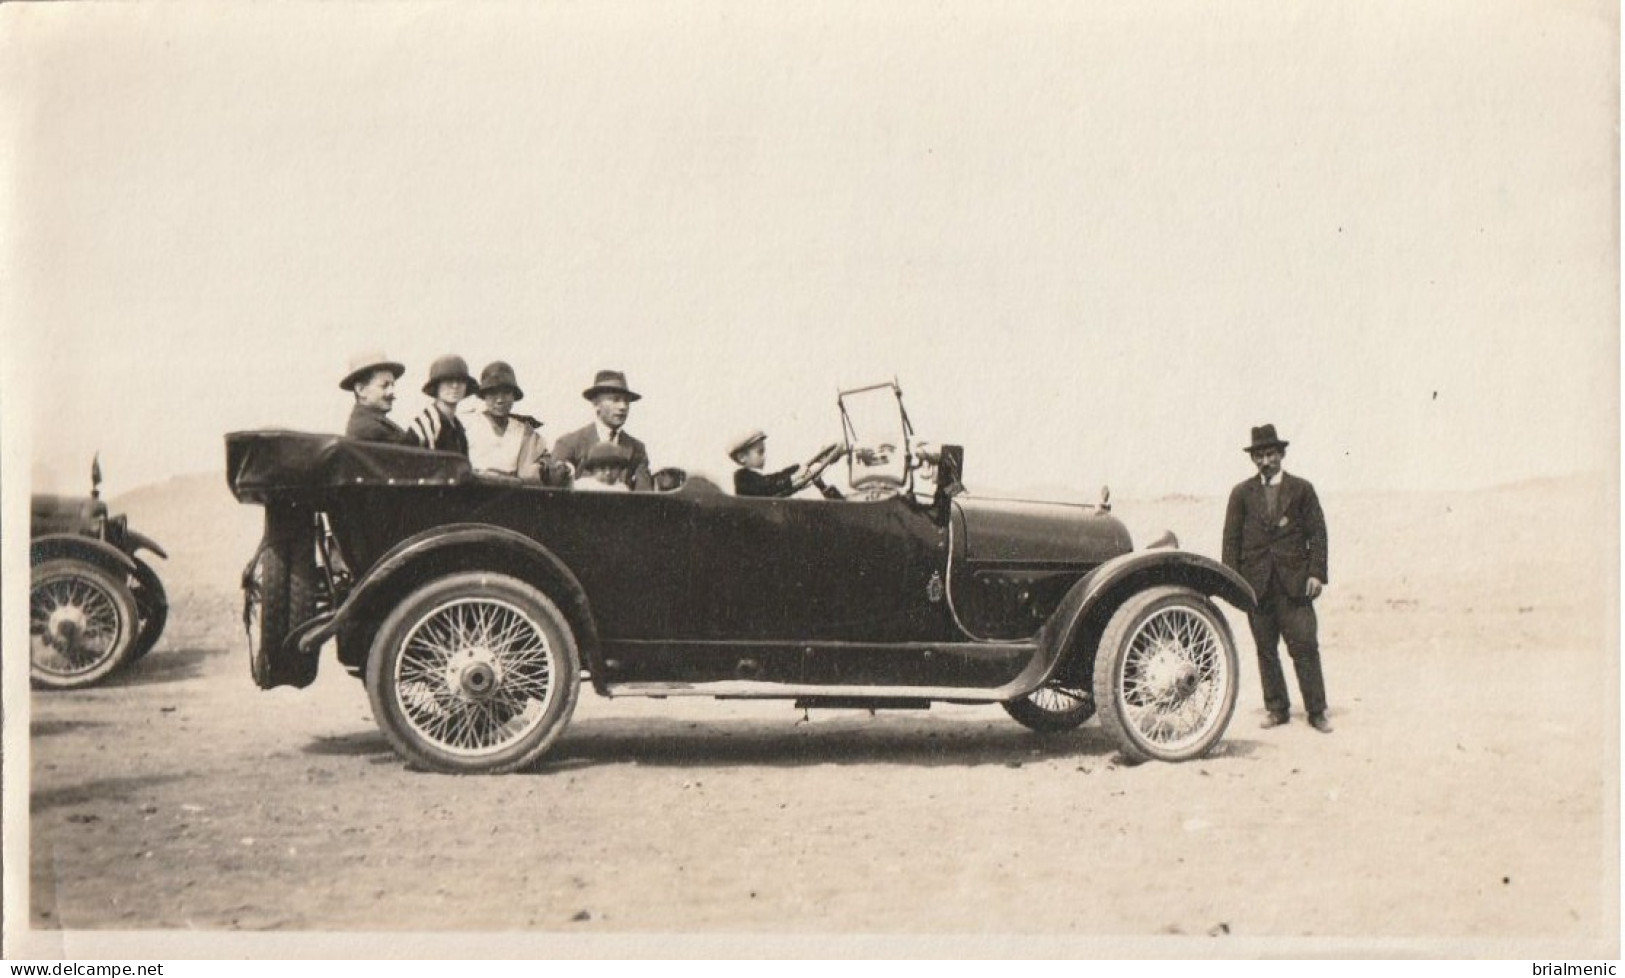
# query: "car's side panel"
818 570
627 550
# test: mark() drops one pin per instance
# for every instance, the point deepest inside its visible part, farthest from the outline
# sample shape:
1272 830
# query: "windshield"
877 437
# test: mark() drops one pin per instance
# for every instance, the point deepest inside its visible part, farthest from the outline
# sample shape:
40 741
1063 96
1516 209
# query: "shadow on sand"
163 666
100 789
856 741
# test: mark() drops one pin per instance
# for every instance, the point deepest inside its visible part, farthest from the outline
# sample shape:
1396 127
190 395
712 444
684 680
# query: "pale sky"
1094 242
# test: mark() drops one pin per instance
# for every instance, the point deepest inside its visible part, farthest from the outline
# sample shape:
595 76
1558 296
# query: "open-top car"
93 604
474 610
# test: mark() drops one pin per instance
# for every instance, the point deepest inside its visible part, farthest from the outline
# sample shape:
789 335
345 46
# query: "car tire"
285 579
82 624
1051 709
473 673
153 606
1166 675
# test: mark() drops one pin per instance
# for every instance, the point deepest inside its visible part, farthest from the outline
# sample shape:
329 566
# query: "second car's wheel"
473 673
81 624
281 596
1052 709
153 607
1165 675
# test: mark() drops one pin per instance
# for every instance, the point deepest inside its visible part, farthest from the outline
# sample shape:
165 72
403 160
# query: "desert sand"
1466 805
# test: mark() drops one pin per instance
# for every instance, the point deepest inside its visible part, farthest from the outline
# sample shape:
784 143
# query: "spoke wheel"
81 624
1052 709
473 673
1166 675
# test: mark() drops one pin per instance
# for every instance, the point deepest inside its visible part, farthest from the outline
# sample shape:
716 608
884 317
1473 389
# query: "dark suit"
1277 551
573 448
372 424
749 482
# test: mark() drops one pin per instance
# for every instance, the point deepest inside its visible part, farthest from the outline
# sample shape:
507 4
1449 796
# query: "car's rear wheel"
153 606
1052 709
82 624
473 673
281 595
1165 675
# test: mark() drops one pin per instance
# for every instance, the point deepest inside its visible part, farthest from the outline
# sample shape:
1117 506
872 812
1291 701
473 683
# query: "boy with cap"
501 442
372 379
612 401
750 454
438 427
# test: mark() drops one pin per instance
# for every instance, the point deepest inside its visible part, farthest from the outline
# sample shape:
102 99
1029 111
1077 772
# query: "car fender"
470 546
140 541
1092 599
74 547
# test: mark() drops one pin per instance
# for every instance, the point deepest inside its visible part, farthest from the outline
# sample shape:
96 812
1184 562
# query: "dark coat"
1291 548
749 482
573 448
371 424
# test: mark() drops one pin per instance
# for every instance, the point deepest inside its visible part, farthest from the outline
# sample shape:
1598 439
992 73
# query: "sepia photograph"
940 479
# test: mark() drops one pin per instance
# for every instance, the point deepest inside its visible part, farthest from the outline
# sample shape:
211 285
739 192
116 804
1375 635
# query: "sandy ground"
1467 803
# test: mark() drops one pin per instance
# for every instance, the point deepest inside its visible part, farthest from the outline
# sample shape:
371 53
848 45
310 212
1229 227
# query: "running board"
865 697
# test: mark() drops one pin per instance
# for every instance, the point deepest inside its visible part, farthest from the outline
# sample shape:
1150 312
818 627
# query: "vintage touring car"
473 609
93 605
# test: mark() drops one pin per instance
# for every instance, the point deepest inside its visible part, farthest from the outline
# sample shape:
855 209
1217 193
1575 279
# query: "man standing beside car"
372 379
612 402
1275 537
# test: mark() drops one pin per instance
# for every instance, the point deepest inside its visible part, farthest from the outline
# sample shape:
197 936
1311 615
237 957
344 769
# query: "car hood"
63 514
1019 531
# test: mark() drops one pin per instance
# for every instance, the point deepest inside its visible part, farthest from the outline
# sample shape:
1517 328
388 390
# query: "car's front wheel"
1165 675
81 624
473 673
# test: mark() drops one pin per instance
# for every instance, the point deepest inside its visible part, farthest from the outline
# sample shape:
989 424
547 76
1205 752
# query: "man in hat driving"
372 379
503 443
611 401
438 427
1275 537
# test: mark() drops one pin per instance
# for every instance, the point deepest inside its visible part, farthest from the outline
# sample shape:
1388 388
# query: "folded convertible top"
264 464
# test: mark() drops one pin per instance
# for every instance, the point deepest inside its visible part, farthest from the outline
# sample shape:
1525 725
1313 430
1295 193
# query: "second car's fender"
76 547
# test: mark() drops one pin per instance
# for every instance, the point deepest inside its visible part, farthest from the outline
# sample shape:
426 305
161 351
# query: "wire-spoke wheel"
1052 709
473 673
1165 675
81 624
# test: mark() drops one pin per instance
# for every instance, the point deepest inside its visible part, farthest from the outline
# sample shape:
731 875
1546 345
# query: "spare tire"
281 588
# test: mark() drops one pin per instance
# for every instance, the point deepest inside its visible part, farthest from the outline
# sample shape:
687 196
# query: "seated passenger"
372 379
611 402
605 469
750 454
503 443
438 427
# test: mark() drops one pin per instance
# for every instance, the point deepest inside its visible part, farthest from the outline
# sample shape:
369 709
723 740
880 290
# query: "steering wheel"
813 469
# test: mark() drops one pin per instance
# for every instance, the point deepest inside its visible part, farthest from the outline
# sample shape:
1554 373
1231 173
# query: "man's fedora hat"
363 365
745 443
449 368
1263 438
497 376
610 382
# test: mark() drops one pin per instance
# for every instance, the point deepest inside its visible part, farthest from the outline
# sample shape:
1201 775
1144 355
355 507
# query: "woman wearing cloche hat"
438 426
